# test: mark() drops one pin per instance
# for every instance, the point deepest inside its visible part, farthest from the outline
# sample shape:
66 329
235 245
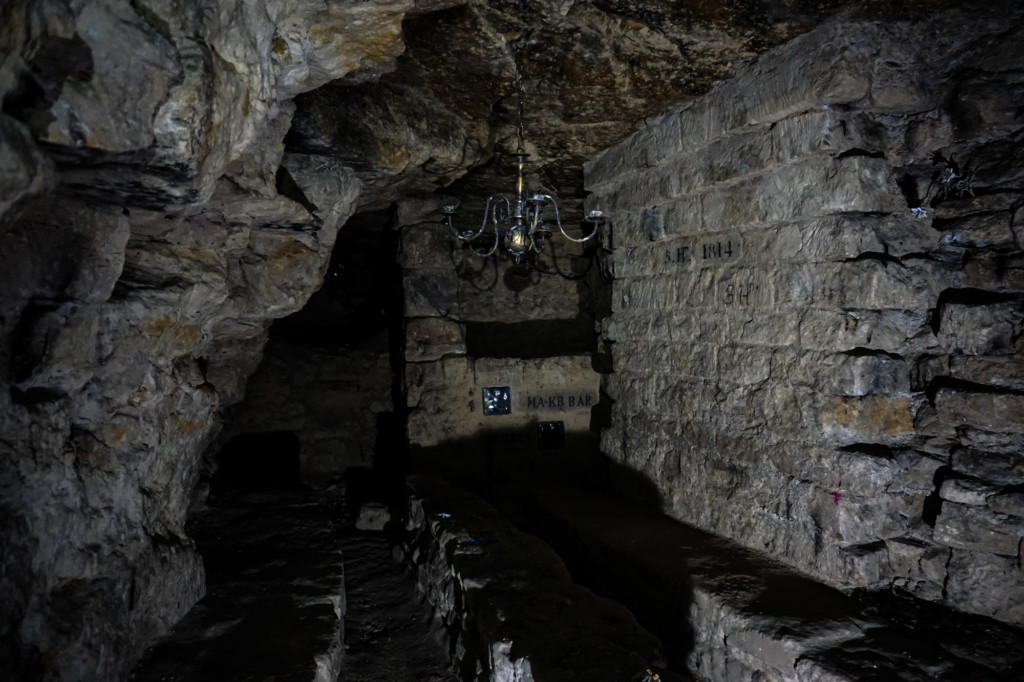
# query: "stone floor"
389 633
296 594
274 600
299 591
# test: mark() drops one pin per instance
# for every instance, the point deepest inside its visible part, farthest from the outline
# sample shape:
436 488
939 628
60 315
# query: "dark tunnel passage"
258 462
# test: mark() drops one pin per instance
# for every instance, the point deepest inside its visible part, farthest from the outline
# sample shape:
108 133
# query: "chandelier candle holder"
516 221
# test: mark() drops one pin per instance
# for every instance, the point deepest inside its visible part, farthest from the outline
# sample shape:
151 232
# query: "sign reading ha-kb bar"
558 401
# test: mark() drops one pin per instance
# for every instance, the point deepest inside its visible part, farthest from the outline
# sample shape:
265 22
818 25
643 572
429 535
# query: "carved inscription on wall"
730 288
703 252
741 290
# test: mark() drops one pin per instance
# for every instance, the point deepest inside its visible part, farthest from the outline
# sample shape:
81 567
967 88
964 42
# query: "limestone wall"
817 311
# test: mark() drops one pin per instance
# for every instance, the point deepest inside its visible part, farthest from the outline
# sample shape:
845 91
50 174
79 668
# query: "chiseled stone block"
1002 468
430 292
866 416
831 70
861 375
978 529
973 577
429 338
979 230
1007 503
995 412
966 491
975 329
919 565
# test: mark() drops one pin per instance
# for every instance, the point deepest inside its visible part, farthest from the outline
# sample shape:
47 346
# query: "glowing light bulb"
518 241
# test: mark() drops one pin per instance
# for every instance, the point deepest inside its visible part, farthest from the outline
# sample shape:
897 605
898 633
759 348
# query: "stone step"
727 613
275 597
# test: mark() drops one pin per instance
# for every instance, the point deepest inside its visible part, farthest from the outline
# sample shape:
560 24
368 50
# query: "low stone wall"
507 603
817 312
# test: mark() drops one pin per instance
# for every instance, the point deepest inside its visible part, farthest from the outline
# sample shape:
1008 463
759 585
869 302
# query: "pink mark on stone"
836 495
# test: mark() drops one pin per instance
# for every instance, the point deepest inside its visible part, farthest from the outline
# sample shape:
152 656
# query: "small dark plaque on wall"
550 435
497 400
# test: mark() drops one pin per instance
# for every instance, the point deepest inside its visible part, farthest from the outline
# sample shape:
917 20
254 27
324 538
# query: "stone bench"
727 613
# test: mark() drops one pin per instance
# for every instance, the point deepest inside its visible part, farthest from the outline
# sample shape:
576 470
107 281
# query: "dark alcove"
258 462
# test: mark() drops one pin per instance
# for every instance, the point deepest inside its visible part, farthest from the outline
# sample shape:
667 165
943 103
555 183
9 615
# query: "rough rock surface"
146 249
150 104
817 312
119 359
590 71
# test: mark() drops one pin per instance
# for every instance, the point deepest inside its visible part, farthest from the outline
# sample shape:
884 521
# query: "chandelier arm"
485 254
451 226
494 246
489 211
493 203
558 220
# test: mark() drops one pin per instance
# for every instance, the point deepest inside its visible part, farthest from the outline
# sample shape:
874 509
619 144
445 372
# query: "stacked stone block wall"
445 290
817 311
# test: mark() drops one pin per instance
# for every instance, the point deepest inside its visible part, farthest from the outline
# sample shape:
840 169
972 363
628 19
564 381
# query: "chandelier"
516 222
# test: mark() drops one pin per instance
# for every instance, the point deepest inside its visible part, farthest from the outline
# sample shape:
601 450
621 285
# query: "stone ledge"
729 613
508 602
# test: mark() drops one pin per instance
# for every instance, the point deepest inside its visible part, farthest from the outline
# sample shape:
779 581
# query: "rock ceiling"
444 113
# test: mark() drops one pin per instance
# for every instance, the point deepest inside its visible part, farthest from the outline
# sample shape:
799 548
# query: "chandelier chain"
521 93
519 221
